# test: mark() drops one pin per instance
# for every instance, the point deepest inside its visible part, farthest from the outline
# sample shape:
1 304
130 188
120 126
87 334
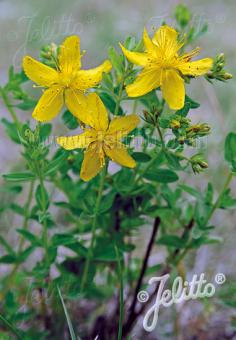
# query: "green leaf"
173 160
25 254
182 15
150 100
172 241
191 191
11 130
11 327
17 209
198 242
230 148
30 237
161 176
116 60
10 258
27 104
41 197
141 157
63 240
227 201
45 131
70 326
189 104
69 120
106 202
7 246
55 164
110 103
19 177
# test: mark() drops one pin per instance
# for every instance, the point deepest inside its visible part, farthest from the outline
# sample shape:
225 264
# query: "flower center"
65 79
100 136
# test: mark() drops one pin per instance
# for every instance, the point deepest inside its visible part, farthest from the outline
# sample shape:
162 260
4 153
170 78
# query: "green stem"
25 227
215 206
121 295
218 201
9 107
94 224
26 219
161 137
44 222
119 97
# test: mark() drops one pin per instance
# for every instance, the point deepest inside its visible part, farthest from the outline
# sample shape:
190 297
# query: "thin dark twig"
128 326
156 225
186 231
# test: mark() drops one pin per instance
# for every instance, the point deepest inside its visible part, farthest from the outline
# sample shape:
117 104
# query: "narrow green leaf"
11 130
69 120
19 177
172 241
11 327
41 197
71 330
30 237
230 147
110 103
141 157
161 176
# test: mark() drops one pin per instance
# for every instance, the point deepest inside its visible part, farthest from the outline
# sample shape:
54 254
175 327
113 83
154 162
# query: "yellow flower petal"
166 39
146 81
196 68
87 108
80 141
121 126
93 162
173 89
49 105
97 116
89 78
76 101
69 56
39 73
148 42
118 153
137 58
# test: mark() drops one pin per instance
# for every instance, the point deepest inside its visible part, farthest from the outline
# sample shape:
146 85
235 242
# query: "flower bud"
175 124
227 76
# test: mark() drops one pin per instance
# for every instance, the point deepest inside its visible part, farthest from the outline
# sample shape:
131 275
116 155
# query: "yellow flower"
164 67
66 84
101 139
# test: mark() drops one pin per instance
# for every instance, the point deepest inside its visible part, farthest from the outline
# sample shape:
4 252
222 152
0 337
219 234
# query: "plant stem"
26 219
211 212
119 97
9 107
161 137
94 224
218 201
132 313
121 295
25 227
44 222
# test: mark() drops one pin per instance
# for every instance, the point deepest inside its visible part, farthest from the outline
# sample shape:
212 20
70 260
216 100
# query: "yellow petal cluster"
65 85
101 138
164 67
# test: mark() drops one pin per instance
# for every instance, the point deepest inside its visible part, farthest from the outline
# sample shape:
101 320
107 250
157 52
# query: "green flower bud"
175 124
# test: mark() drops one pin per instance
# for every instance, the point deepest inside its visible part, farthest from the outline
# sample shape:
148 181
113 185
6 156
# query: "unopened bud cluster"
187 133
218 72
198 163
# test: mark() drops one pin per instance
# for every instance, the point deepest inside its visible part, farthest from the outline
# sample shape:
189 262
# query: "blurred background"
27 25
